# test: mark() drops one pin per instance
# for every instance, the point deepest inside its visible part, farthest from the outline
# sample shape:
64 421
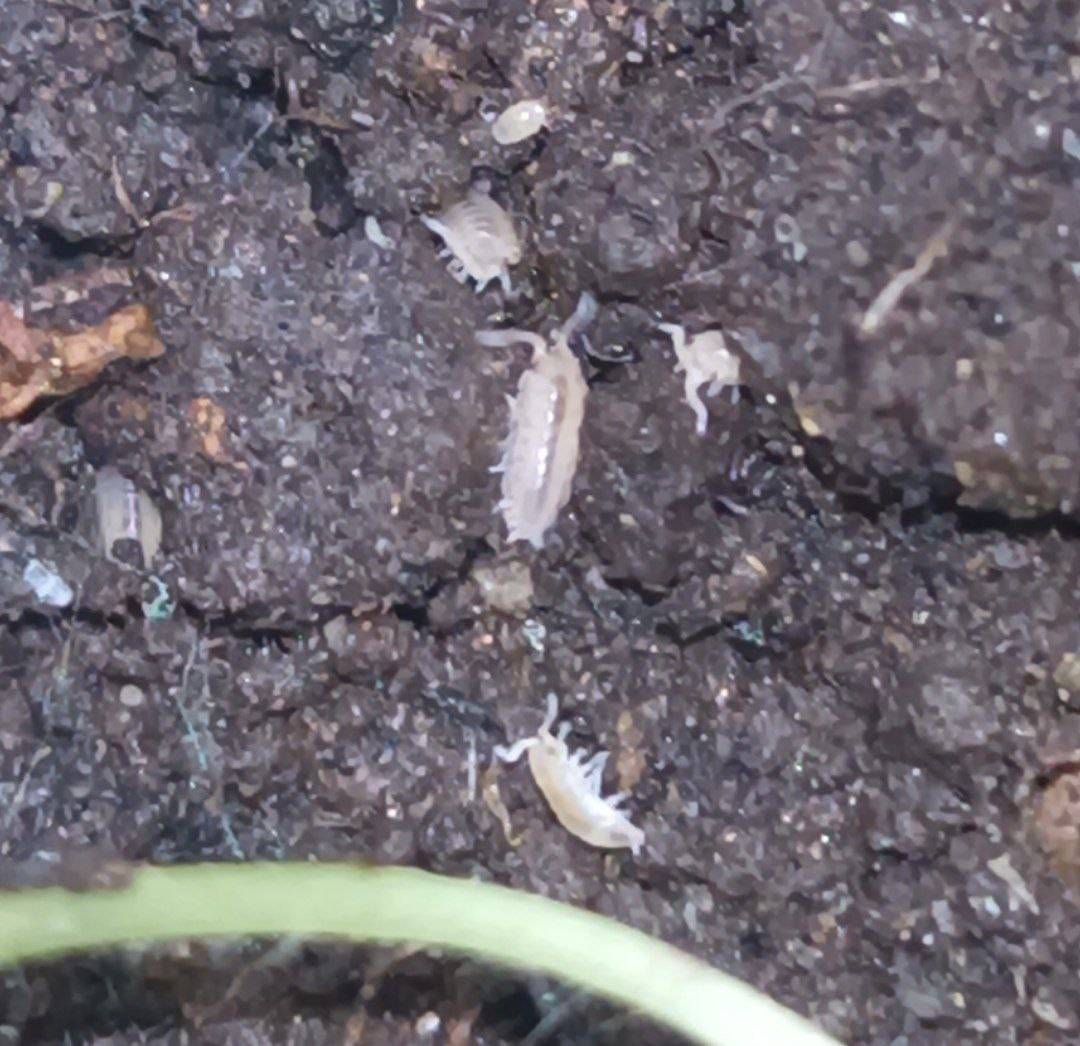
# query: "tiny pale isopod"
540 454
520 121
570 782
480 236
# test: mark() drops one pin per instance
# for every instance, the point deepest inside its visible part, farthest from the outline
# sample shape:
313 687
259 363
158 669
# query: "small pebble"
131 696
506 587
48 586
373 231
857 254
1067 673
1070 142
428 1024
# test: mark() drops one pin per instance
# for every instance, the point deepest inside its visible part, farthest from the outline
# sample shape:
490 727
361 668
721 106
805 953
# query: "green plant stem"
403 905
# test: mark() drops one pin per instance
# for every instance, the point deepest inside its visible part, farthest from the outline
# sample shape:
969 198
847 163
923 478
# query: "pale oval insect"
480 236
519 121
540 454
125 511
571 785
705 358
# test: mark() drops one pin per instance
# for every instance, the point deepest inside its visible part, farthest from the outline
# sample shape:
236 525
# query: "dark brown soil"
832 645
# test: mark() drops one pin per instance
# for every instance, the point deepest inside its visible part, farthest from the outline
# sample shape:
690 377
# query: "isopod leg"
596 763
677 333
717 385
515 751
506 338
594 770
694 399
552 714
584 313
434 225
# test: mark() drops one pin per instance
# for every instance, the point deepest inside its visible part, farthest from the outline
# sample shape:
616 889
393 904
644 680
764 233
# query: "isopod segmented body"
571 785
540 453
481 238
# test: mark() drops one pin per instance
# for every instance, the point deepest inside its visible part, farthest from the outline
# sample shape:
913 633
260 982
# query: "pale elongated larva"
571 786
705 358
540 454
125 511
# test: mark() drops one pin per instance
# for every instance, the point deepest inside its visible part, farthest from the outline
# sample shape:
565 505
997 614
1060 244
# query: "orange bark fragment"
36 363
208 420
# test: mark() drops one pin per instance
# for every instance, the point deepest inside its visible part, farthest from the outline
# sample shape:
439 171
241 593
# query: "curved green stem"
403 905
